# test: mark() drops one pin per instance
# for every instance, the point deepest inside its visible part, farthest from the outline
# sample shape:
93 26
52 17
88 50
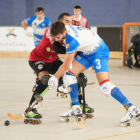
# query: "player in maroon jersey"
44 60
78 19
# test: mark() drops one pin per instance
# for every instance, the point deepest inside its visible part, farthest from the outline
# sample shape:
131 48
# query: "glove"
28 33
53 81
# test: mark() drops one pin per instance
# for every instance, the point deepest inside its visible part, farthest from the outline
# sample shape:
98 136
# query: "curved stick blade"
91 83
81 125
14 117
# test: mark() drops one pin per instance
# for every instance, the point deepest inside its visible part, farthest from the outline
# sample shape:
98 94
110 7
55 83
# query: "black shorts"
51 68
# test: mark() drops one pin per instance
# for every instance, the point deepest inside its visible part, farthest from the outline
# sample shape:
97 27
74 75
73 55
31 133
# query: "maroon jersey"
81 21
44 51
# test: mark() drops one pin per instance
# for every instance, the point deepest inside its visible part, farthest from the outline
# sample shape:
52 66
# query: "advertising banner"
14 39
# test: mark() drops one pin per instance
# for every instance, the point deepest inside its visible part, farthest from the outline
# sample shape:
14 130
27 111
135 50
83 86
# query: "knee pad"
69 79
106 88
45 79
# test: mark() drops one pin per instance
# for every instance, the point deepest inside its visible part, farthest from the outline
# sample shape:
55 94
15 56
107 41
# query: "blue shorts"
36 42
98 59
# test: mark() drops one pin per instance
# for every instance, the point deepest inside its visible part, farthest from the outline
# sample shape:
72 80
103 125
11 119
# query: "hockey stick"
84 114
36 38
29 108
91 83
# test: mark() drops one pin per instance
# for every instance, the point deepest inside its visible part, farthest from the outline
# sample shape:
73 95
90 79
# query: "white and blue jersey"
39 26
94 51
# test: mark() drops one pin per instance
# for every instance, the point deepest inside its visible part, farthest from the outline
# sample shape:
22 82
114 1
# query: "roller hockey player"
67 20
39 23
96 53
134 50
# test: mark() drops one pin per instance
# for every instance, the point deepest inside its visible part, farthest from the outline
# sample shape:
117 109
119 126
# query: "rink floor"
16 81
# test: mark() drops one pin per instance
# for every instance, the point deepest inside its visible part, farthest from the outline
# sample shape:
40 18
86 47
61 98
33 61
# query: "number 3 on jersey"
98 63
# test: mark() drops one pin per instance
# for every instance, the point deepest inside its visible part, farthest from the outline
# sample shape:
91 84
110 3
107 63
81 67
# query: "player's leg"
83 63
70 80
39 68
62 90
100 63
137 61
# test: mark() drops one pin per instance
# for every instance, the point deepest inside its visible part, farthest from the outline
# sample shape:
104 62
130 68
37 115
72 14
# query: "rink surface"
16 81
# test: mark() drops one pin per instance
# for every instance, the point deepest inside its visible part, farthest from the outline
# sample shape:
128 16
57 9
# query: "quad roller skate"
75 111
62 92
132 112
88 110
33 117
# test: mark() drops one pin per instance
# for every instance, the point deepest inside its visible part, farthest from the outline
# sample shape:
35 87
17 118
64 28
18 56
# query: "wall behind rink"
98 12
14 42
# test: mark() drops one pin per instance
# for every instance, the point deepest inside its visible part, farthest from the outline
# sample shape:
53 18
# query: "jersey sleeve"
86 25
71 44
30 19
47 22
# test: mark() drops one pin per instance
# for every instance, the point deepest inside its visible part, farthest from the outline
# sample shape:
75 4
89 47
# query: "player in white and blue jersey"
94 52
39 23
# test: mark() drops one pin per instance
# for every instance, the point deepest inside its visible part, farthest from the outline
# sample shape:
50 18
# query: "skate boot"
88 110
74 111
33 117
62 91
132 112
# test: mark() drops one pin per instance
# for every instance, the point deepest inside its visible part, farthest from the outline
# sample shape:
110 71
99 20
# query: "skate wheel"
56 95
65 96
90 116
128 124
138 119
62 95
78 119
33 122
39 122
66 119
26 121
125 124
59 94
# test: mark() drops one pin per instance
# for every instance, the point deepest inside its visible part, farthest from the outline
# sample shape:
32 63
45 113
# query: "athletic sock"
74 94
119 96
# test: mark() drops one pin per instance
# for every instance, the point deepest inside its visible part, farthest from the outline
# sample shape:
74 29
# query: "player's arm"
71 46
48 22
65 66
24 24
58 48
